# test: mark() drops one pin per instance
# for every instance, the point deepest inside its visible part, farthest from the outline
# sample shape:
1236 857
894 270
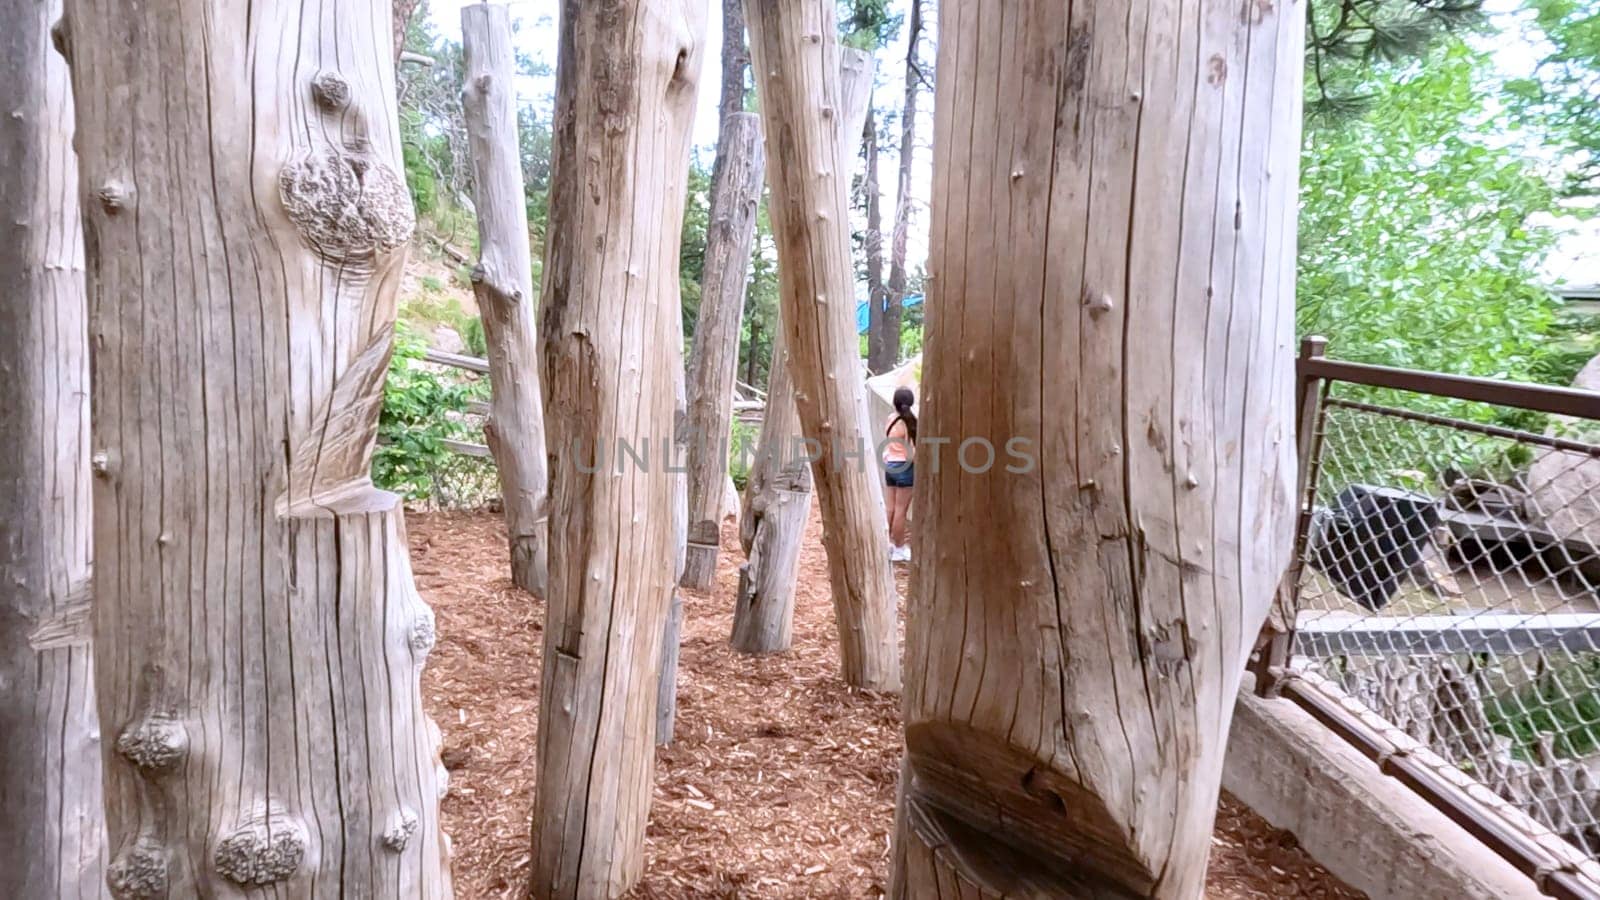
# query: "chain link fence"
1447 581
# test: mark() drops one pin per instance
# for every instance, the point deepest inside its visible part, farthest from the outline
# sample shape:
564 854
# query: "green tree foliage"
1561 101
422 408
433 134
868 24
1371 34
760 324
1417 246
692 246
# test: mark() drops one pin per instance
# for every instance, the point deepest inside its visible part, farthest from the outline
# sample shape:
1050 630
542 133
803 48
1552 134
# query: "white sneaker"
899 554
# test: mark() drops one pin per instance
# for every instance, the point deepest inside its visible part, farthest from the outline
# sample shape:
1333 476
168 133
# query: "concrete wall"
1361 825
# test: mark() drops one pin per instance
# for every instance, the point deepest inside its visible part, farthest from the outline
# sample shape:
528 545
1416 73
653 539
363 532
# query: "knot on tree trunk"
347 206
138 873
262 852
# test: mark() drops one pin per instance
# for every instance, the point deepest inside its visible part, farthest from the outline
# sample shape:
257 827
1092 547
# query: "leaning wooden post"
502 282
625 89
735 193
777 496
797 80
50 782
257 635
1112 296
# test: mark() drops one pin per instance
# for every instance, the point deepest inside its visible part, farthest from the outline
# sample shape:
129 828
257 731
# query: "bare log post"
777 497
797 79
502 282
257 634
672 627
1113 293
667 684
625 89
50 782
735 195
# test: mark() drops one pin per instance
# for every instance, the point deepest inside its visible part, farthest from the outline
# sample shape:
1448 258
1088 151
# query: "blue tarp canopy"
863 314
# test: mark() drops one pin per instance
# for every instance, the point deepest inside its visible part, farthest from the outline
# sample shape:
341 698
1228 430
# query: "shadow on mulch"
780 782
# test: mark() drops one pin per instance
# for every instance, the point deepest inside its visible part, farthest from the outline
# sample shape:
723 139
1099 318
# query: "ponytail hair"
903 401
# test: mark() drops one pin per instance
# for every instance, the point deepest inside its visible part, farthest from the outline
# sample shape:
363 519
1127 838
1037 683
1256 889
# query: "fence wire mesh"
1447 579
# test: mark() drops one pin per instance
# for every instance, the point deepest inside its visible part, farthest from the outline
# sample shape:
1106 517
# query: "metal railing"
1443 609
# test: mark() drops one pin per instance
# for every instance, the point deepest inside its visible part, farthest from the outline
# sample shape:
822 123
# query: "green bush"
421 410
1563 704
742 438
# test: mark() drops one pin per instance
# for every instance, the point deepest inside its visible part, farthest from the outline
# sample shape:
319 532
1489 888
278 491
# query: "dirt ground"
780 782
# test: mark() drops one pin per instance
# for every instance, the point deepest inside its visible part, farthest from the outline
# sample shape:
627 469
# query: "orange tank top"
894 448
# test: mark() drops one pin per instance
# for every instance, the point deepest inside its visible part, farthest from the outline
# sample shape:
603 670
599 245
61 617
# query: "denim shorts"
897 474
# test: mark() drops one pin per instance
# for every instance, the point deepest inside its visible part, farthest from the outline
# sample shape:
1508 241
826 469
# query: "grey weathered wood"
258 639
456 360
804 113
735 195
763 615
672 627
612 330
1112 251
502 282
50 801
770 528
735 198
667 684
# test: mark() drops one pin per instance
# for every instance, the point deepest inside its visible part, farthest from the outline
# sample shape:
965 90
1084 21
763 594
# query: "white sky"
1576 260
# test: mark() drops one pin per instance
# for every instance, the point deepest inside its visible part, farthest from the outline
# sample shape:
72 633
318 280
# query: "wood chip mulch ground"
780 782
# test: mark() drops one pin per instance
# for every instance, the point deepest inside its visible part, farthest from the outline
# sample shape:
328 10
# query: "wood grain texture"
502 282
799 86
777 498
258 638
1112 265
612 326
50 800
735 196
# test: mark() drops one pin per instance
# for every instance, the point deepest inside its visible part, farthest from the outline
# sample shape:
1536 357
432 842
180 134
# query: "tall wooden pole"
502 282
1113 288
625 91
49 739
797 80
777 497
258 639
735 195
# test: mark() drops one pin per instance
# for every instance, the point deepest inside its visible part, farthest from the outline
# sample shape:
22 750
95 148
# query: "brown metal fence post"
1278 636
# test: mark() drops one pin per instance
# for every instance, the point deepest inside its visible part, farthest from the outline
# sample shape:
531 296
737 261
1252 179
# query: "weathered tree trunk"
667 684
672 626
625 89
777 496
258 640
50 802
797 78
403 10
1113 284
872 247
895 296
502 282
735 193
735 198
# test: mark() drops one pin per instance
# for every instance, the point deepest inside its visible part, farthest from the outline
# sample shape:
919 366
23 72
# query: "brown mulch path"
780 782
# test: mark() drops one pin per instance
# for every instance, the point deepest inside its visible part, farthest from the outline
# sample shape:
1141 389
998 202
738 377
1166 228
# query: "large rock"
1564 486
